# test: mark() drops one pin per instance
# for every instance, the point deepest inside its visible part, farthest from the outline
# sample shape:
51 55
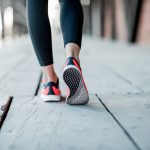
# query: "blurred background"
124 20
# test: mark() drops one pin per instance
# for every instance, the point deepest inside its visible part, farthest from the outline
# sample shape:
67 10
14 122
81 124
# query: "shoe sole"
50 98
73 79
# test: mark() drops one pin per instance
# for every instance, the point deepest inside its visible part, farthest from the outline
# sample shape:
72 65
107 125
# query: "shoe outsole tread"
73 79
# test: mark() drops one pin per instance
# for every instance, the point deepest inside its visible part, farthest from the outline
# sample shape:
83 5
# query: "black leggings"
71 21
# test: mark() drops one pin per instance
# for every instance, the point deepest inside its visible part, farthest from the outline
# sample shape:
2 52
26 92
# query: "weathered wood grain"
133 112
34 125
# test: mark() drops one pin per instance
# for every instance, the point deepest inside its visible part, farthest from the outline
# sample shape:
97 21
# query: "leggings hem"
72 41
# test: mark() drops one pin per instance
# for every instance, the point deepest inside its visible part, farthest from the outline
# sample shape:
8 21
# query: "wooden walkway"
116 118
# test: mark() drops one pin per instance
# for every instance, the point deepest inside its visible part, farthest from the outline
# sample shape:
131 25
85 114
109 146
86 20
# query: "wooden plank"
12 53
103 80
22 80
10 57
129 62
9 61
55 125
23 77
100 79
137 71
20 72
133 112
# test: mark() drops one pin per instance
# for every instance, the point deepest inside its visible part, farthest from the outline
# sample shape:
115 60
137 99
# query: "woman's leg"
71 19
40 32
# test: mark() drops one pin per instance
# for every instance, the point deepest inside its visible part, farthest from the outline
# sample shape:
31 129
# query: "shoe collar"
50 83
73 58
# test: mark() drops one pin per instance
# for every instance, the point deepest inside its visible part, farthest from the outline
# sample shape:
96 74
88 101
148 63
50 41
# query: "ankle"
52 77
49 74
72 50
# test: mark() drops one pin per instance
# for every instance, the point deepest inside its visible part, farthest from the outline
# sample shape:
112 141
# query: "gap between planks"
5 109
119 124
38 84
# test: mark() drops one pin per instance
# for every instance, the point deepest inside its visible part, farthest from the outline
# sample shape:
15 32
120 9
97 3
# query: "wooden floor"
116 118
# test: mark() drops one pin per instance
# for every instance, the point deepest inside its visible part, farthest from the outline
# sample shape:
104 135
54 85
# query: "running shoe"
51 92
77 92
